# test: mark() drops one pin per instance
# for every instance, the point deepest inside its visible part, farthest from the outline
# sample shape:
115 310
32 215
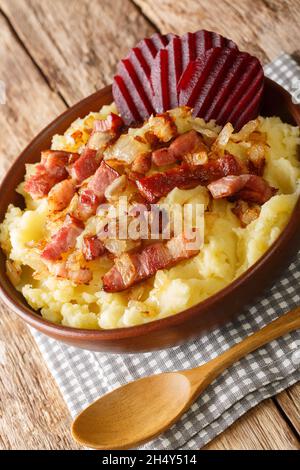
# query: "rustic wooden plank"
289 402
30 104
262 27
262 428
77 44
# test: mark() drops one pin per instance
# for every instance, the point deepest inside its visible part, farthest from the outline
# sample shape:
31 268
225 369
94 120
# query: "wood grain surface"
53 53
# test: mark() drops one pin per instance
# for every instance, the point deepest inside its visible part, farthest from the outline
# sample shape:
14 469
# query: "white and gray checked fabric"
83 376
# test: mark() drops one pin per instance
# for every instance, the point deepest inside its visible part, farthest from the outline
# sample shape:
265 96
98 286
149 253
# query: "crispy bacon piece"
130 269
246 212
64 239
163 156
49 172
113 123
250 188
39 184
227 186
91 196
157 185
85 166
87 204
55 162
60 195
92 248
186 144
103 133
103 177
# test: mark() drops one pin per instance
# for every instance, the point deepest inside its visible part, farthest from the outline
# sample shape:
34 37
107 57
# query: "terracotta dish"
184 326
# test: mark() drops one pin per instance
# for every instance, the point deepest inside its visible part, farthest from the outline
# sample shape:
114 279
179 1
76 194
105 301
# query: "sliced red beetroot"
124 101
132 88
223 84
172 61
196 44
150 46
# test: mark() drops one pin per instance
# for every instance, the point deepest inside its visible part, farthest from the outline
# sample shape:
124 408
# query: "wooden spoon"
141 410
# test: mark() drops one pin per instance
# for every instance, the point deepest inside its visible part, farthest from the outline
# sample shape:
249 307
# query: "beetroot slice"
149 47
124 101
195 44
132 88
171 61
223 84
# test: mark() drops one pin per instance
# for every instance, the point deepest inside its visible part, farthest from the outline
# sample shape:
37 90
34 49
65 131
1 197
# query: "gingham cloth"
83 376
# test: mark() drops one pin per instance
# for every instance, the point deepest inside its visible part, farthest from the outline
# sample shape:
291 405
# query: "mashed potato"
228 248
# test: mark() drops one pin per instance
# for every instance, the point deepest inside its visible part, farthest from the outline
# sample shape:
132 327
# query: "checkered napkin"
83 376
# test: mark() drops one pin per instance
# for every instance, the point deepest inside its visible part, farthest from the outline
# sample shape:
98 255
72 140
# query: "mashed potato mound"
228 248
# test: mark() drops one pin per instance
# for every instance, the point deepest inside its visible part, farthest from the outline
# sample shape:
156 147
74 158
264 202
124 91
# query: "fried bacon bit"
113 123
92 248
50 171
157 185
55 162
142 163
227 186
87 204
85 166
91 196
184 146
257 161
250 188
60 195
103 177
64 239
246 212
39 184
130 269
163 156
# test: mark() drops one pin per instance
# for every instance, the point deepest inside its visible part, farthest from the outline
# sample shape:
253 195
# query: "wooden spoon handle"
285 324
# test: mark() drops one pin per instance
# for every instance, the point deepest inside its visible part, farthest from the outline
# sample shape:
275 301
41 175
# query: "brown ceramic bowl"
184 326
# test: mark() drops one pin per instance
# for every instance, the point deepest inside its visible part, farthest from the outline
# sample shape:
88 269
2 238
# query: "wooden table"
54 53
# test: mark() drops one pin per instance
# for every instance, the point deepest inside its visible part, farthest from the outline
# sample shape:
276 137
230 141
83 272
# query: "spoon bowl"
158 403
